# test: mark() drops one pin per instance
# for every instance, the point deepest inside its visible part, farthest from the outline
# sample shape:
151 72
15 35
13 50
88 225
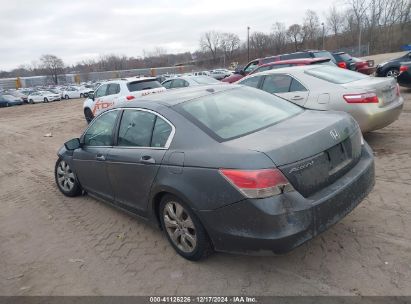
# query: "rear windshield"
324 54
335 75
204 80
143 85
343 56
237 112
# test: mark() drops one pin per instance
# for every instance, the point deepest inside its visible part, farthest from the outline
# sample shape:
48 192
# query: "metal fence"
355 51
34 81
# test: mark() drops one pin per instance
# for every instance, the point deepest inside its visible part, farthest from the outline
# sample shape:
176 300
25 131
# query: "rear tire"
393 72
183 229
31 101
46 100
66 97
88 115
66 179
81 95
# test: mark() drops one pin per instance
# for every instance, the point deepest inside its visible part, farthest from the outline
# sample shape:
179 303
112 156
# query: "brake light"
342 64
361 98
257 183
131 97
403 68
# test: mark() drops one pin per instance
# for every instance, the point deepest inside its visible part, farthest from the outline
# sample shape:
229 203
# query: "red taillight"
342 64
131 97
257 183
361 98
403 68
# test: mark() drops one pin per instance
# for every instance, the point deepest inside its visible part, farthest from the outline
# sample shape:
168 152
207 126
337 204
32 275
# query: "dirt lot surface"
53 245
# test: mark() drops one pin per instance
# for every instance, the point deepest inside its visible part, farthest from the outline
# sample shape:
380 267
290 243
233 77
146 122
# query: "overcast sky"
80 29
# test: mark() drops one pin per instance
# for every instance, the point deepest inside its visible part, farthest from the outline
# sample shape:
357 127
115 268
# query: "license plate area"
338 158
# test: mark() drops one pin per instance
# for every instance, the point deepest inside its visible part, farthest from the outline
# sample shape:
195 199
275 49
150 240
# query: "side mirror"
91 95
242 72
72 144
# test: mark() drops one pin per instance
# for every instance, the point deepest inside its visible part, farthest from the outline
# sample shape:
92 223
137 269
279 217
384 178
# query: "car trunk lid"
312 149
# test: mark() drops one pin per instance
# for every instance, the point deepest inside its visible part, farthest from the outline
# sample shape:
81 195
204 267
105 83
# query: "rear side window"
277 83
236 112
136 128
143 85
143 129
296 86
251 82
335 75
113 88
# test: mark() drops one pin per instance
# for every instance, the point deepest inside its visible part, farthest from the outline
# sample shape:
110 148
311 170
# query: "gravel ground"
53 245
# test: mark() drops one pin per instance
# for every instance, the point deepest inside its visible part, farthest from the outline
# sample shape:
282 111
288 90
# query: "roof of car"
136 78
177 96
297 60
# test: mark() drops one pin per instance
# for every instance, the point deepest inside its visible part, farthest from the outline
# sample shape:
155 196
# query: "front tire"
81 95
66 179
183 229
88 115
66 97
46 100
31 101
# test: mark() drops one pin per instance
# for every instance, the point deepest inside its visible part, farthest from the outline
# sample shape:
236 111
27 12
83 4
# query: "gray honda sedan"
225 168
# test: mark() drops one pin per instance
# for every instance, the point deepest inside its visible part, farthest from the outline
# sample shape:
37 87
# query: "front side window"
236 112
101 91
100 133
167 84
277 83
251 67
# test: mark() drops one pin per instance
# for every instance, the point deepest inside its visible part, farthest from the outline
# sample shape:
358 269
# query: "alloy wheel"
180 227
392 73
65 176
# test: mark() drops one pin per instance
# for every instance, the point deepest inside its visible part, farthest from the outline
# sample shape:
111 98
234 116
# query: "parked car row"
266 163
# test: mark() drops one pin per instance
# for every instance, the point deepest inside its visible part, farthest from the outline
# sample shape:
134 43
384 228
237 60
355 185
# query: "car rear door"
132 164
90 160
287 87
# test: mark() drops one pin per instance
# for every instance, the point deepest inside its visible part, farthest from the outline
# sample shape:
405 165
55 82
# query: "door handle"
147 159
100 157
297 98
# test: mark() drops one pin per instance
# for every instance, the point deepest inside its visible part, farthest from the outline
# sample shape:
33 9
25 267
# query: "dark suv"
258 62
391 68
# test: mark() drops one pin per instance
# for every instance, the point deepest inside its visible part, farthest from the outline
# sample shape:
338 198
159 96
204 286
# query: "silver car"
373 102
188 81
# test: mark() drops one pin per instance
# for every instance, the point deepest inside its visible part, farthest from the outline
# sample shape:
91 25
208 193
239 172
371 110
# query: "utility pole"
322 23
248 44
359 40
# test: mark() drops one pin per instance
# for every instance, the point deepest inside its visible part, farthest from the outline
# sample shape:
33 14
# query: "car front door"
132 164
286 87
90 160
99 99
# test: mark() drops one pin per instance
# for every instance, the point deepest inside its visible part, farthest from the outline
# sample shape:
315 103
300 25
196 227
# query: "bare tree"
210 42
230 43
294 33
311 28
279 37
335 21
260 43
53 65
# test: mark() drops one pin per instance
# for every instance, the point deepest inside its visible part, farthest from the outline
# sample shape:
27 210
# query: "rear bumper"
281 223
374 118
367 70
